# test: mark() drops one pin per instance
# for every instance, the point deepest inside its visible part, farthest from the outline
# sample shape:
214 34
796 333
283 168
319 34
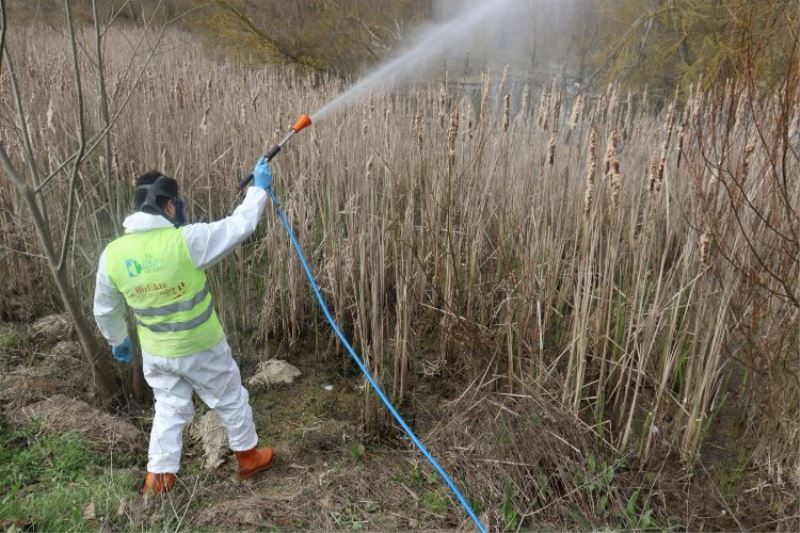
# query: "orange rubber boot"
251 462
158 483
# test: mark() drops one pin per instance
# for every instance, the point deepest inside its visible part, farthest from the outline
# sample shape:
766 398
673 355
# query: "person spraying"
158 269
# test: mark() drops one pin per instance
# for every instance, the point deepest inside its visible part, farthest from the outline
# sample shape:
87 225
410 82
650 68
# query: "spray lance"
303 122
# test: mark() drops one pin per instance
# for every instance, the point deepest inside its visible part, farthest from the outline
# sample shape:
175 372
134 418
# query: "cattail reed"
654 180
613 103
506 112
418 130
525 103
611 159
748 153
681 133
452 137
705 245
369 166
591 168
577 111
626 128
614 185
544 104
443 108
504 79
407 239
556 108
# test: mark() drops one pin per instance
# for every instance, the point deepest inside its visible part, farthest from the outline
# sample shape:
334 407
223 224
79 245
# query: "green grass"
10 338
48 481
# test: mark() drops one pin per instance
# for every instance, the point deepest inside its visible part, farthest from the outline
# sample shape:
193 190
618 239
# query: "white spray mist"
419 54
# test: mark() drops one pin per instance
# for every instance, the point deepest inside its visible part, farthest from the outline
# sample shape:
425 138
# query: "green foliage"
434 501
49 481
666 45
357 451
508 511
337 36
599 484
10 339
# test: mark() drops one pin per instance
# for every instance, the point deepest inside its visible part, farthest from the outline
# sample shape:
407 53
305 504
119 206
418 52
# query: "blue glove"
262 175
122 353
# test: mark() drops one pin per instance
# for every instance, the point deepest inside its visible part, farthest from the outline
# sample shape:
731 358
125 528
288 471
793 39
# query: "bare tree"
24 172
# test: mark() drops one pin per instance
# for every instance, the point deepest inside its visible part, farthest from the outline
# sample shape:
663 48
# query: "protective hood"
141 221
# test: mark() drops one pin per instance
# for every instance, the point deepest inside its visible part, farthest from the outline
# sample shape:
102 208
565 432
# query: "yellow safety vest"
168 295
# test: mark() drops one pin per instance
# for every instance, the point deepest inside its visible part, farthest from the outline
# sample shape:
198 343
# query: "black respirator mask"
156 190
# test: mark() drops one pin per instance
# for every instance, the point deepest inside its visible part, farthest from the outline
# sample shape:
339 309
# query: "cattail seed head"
418 129
50 114
655 183
611 161
615 185
748 152
204 121
504 79
506 112
556 108
541 117
442 108
705 245
681 134
613 103
452 136
591 168
370 164
524 105
577 111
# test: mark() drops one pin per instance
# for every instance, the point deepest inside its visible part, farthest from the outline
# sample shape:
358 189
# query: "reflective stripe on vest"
168 295
180 326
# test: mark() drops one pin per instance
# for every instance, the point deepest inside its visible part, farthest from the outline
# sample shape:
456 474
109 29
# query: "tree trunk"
96 355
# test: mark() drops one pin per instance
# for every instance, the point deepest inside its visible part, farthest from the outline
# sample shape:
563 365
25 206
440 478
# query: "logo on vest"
148 264
134 268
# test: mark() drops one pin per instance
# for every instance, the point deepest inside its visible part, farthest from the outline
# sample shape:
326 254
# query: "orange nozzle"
303 122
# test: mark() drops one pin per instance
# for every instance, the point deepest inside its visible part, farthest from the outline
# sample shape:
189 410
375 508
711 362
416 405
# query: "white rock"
273 372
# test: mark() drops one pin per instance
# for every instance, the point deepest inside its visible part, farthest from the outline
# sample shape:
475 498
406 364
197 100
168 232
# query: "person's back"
158 269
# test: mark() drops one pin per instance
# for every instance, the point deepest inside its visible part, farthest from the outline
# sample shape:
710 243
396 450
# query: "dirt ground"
517 455
328 473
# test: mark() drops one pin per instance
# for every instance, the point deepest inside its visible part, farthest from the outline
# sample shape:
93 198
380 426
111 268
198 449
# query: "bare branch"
81 139
103 102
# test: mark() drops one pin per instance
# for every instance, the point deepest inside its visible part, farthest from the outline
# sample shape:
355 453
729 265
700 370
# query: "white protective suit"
213 373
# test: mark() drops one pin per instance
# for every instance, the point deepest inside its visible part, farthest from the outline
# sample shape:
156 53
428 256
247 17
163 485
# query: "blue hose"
313 282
